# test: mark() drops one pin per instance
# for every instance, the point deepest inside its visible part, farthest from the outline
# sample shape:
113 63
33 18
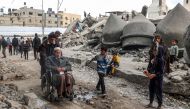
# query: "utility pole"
59 3
43 18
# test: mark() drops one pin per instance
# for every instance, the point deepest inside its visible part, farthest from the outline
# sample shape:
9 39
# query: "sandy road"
85 78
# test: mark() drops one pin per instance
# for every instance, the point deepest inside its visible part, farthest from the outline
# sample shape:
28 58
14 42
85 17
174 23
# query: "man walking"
15 45
4 46
36 45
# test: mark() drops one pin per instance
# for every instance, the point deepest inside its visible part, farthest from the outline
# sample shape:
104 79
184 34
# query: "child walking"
102 66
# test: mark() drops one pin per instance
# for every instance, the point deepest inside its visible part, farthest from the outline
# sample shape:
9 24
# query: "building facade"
67 18
186 4
157 9
33 18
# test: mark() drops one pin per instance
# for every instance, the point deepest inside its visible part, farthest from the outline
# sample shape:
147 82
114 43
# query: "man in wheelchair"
58 67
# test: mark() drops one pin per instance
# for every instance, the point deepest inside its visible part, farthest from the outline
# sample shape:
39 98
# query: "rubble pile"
9 72
87 32
140 55
73 39
178 82
10 98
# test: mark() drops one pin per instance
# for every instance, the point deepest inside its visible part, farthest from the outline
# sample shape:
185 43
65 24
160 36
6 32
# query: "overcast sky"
79 6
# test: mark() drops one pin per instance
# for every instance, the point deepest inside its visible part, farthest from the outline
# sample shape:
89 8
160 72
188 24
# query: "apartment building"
31 17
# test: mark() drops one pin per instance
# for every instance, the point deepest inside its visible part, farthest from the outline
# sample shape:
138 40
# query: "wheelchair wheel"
52 98
45 85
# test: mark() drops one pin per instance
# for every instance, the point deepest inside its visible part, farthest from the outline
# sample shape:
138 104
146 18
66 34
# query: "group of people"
160 58
51 60
20 45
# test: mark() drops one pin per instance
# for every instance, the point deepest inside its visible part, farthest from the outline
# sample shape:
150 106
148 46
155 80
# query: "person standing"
51 44
26 48
36 44
21 42
42 51
15 45
9 45
173 51
155 72
102 66
4 46
57 35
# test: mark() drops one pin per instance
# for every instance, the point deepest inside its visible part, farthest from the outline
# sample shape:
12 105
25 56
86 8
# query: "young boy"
173 51
102 66
114 63
26 47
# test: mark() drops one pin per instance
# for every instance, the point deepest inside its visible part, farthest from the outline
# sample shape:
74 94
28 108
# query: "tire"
45 85
52 98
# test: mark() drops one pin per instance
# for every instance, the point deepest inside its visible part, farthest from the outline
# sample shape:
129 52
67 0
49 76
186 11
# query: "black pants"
172 59
10 50
155 88
43 67
15 50
4 52
26 55
21 53
35 53
101 83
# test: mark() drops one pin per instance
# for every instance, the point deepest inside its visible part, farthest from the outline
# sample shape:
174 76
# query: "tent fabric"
139 32
174 25
113 30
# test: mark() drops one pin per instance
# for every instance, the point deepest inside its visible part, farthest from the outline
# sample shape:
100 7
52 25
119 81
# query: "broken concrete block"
2 98
13 104
177 79
33 101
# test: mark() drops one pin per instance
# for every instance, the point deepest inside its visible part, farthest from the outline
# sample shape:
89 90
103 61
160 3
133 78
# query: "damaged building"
174 25
138 33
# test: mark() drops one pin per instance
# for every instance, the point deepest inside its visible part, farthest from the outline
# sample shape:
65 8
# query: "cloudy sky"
79 6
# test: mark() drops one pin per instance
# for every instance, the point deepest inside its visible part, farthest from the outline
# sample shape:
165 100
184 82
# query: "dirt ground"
83 79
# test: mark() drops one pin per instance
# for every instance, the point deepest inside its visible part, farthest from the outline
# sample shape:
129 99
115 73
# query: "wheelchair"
49 89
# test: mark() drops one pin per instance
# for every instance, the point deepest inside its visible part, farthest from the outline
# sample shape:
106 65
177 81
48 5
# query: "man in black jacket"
156 71
36 45
51 44
15 45
4 46
42 51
